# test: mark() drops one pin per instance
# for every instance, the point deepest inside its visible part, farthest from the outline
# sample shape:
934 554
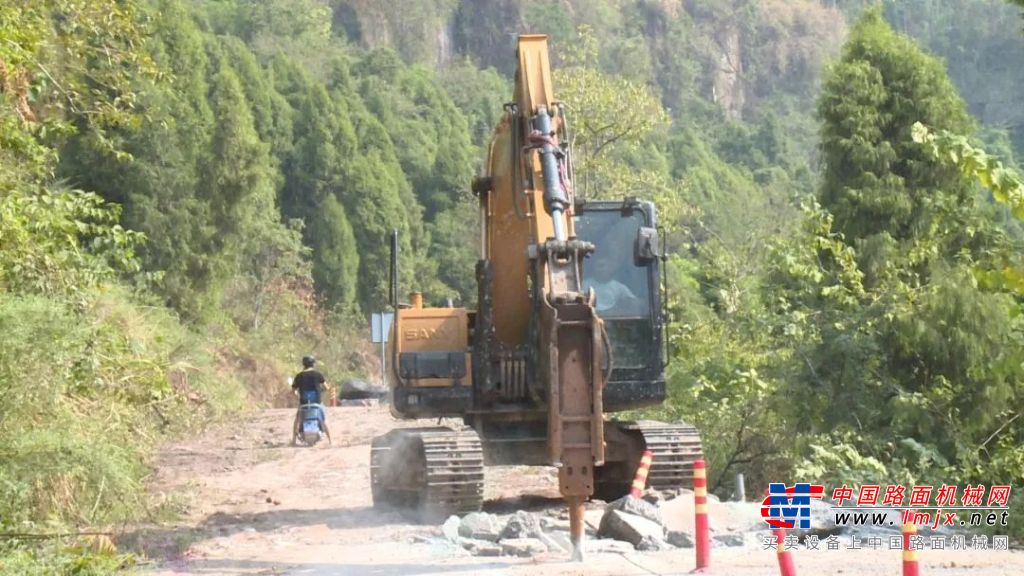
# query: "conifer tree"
916 351
886 193
238 180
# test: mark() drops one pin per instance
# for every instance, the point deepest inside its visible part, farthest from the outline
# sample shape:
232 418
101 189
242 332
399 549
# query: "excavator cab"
624 271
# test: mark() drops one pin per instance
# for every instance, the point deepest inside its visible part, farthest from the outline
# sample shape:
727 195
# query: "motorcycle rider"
309 385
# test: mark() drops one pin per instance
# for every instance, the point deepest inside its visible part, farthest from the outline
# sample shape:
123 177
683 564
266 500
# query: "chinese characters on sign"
892 506
895 542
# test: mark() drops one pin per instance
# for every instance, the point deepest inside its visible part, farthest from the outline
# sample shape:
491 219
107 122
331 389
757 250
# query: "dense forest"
193 193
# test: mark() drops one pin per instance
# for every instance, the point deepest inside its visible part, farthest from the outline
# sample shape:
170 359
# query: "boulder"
360 389
521 525
523 547
629 527
450 528
480 526
636 507
652 544
733 539
656 496
679 539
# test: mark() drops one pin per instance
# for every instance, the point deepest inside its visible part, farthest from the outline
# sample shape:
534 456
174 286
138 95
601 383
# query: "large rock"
679 539
733 539
653 544
450 528
521 525
523 547
360 389
480 526
629 527
657 496
636 507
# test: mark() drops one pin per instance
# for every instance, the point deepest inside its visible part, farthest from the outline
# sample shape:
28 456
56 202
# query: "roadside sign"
380 326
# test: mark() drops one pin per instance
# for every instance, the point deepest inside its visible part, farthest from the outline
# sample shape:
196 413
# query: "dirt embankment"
253 505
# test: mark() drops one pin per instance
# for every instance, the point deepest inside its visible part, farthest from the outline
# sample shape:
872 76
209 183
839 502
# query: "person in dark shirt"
309 385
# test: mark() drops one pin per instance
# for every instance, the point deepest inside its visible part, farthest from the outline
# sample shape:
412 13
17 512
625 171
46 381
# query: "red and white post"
910 566
700 508
640 479
786 566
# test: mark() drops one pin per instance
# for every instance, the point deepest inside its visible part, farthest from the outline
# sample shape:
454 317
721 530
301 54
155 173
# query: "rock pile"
484 534
658 521
626 525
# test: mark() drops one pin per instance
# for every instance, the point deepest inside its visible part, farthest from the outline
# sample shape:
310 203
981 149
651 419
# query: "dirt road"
255 506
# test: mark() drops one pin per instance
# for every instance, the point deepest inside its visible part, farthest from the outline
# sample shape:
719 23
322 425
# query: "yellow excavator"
569 327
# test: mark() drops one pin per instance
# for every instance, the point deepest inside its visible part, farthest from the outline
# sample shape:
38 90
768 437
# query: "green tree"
313 184
478 95
157 183
611 116
887 194
429 134
336 265
900 350
239 179
454 250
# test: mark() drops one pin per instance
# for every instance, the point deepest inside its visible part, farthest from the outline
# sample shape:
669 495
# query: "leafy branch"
1004 183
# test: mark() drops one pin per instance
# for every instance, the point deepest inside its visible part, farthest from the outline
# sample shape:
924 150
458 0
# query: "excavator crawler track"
675 448
431 472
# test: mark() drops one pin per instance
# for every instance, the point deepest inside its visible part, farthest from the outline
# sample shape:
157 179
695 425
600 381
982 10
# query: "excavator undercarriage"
436 472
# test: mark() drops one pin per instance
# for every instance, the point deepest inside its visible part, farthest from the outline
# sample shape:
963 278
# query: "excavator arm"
571 342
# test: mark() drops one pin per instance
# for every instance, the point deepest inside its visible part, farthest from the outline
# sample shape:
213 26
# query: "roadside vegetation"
194 193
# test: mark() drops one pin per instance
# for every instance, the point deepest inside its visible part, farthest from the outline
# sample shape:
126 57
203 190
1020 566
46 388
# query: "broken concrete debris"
629 527
480 526
521 525
657 522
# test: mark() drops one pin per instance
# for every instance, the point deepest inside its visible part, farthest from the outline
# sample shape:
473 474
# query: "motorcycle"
311 426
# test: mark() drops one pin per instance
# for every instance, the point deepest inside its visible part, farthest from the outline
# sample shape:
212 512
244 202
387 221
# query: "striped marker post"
700 508
910 566
640 479
786 566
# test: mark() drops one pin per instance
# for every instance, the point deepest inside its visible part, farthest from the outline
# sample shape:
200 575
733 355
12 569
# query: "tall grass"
85 395
90 385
